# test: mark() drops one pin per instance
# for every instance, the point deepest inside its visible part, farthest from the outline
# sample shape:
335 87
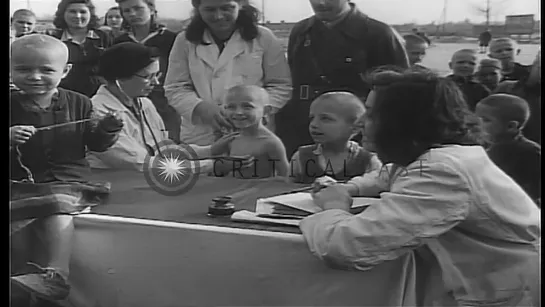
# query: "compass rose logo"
174 169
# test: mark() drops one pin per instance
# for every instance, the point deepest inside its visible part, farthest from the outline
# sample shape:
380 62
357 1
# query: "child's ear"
450 65
358 125
518 51
66 70
267 110
513 126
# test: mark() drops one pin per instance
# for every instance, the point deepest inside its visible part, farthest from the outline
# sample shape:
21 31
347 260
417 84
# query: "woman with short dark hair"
223 46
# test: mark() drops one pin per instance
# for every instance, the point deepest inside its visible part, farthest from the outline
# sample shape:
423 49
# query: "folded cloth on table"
30 201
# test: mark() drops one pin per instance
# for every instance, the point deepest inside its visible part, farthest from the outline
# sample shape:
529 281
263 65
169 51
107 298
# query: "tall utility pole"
28 4
487 12
263 12
445 6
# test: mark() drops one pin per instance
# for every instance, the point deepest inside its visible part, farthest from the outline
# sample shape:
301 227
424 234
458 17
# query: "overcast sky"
389 11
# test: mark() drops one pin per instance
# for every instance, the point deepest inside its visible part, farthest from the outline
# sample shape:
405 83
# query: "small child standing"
505 50
504 116
416 48
489 73
246 106
463 64
335 117
528 89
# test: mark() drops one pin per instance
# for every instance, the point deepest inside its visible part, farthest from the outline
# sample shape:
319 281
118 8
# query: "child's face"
77 16
38 71
244 109
327 125
136 12
416 52
114 19
489 76
493 127
23 24
503 51
463 64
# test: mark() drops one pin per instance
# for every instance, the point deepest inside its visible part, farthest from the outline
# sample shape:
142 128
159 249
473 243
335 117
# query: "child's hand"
20 134
111 123
221 146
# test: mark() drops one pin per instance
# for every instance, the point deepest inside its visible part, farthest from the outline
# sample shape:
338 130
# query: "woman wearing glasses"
129 80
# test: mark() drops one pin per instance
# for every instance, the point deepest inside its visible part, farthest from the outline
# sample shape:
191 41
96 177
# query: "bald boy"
506 51
335 118
463 64
38 63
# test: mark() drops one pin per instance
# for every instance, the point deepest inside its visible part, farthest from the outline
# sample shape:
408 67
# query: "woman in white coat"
131 71
223 46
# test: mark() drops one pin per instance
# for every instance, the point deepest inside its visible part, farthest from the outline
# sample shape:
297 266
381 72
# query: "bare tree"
486 10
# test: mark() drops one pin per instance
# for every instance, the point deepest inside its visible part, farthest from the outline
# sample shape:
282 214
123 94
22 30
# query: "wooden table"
145 249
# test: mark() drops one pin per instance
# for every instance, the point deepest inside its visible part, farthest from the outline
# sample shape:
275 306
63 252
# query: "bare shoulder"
273 142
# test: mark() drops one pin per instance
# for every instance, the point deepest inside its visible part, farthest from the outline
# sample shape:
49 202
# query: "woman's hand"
222 145
211 114
333 197
322 182
19 135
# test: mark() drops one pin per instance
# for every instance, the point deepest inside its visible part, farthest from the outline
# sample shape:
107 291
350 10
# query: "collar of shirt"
351 25
67 37
352 149
154 32
30 105
331 24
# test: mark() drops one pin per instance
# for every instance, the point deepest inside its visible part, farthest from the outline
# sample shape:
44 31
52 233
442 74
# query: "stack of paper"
290 209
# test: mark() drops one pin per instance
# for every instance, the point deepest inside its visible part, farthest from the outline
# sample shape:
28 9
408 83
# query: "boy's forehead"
244 95
464 56
502 45
24 16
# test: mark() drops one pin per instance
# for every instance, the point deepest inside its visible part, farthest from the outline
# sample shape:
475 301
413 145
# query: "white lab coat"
130 152
199 73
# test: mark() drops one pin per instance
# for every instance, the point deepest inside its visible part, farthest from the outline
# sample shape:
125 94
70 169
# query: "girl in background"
141 26
113 22
77 26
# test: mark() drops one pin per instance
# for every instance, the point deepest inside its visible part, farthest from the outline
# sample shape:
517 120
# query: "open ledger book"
290 209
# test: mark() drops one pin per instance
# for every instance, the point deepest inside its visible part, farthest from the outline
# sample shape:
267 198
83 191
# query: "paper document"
299 205
252 217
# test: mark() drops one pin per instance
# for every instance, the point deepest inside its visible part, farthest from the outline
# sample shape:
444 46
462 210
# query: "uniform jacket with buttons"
200 73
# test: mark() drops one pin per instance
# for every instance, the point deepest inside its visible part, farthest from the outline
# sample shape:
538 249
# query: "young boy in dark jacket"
504 116
463 64
51 130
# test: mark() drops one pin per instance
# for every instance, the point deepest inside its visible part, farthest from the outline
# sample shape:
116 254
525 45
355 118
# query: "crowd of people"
455 160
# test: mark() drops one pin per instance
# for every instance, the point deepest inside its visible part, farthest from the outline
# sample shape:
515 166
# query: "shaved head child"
489 73
506 50
23 22
246 106
463 64
503 117
53 154
416 48
335 118
38 63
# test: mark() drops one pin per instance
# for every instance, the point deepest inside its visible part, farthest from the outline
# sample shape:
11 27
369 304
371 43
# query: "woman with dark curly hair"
77 26
444 199
222 47
113 22
141 26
